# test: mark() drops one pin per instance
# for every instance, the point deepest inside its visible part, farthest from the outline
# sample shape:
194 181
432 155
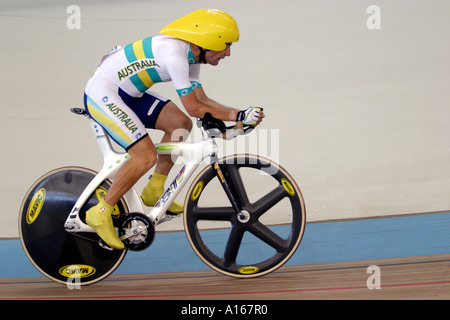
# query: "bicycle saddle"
79 111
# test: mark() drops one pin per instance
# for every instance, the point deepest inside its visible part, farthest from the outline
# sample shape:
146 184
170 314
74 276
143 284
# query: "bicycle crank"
136 231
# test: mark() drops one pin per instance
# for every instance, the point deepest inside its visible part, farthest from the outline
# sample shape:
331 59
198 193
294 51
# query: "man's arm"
201 95
197 104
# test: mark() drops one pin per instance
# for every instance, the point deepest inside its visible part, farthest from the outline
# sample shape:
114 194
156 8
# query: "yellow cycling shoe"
99 218
101 193
154 190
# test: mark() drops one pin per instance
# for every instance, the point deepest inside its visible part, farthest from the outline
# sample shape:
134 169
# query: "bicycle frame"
193 153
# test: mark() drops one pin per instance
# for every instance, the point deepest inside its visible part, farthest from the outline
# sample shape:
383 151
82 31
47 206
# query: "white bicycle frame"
193 153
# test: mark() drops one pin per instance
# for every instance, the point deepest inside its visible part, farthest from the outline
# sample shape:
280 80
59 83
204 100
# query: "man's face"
213 57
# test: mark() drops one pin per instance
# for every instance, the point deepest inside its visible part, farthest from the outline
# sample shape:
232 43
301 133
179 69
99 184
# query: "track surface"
421 277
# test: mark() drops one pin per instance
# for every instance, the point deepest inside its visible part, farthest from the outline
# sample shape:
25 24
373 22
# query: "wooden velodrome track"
420 277
332 262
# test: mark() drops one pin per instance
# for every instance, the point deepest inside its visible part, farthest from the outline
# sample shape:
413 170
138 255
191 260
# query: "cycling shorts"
125 118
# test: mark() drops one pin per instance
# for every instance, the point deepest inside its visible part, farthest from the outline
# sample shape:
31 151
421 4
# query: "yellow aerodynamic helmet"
210 29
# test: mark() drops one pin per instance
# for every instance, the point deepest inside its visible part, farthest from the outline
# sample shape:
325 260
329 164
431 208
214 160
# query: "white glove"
249 116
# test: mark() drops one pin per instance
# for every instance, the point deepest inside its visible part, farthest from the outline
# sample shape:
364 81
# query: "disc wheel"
263 235
59 255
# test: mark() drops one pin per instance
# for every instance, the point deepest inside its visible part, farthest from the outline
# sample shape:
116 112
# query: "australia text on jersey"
136 66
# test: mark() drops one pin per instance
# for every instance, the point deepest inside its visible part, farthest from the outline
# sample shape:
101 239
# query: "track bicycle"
244 215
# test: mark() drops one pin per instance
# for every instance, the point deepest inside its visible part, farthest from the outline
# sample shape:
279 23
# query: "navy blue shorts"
147 107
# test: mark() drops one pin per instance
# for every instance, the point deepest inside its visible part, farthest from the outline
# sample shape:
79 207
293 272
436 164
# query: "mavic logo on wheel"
35 206
197 190
288 186
77 270
248 270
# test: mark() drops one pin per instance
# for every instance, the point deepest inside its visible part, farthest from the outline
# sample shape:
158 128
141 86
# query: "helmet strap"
201 57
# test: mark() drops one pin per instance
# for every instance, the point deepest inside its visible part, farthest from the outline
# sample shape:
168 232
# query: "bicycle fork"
225 185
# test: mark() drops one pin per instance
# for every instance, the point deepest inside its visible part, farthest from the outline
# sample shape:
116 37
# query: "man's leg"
143 157
176 126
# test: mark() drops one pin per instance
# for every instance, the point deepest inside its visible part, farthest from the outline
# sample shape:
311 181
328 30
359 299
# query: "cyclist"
118 98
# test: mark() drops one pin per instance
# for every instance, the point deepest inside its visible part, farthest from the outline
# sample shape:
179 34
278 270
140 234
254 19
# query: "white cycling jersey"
137 66
117 96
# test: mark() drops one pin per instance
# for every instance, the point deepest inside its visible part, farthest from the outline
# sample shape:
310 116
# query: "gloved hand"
249 116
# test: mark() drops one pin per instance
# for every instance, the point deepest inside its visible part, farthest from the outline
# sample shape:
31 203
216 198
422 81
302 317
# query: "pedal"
168 216
103 245
174 215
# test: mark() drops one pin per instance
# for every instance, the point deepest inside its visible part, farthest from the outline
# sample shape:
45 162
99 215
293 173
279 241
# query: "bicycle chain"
98 242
